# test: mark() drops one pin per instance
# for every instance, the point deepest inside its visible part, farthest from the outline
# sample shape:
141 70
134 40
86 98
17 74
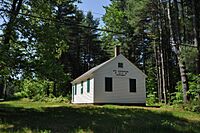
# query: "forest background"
45 44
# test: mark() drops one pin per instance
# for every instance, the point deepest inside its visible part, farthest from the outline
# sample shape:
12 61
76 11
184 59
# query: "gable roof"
89 73
134 66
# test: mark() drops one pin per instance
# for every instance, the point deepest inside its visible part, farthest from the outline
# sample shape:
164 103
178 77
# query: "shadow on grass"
92 119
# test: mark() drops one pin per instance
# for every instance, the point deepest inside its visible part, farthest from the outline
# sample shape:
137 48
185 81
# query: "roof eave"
79 79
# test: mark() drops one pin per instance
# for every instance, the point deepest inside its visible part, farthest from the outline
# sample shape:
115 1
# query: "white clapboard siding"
85 97
120 93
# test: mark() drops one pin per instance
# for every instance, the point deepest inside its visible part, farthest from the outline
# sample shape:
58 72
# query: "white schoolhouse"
116 81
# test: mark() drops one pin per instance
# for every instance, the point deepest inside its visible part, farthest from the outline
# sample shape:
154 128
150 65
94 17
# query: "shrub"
152 99
193 92
177 97
52 99
31 88
36 90
193 106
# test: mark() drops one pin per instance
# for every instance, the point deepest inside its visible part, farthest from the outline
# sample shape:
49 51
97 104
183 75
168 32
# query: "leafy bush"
194 85
189 55
193 106
177 97
36 91
151 99
31 88
151 87
52 99
193 92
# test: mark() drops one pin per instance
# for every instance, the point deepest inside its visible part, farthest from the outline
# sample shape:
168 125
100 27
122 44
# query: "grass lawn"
25 116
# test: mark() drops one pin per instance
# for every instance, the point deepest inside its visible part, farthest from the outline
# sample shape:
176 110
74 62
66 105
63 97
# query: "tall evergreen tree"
123 34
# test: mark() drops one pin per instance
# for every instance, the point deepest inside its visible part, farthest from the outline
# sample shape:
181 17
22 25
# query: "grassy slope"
25 116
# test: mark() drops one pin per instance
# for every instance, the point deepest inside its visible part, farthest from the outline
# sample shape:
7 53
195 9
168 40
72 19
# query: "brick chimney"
117 50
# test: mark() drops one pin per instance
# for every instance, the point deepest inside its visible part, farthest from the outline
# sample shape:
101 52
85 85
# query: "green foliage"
36 90
177 97
193 106
116 20
115 15
151 84
51 99
137 11
46 43
151 99
91 52
151 88
189 55
193 93
168 123
30 88
194 85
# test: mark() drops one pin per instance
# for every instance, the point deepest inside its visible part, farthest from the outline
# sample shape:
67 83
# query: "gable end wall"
120 93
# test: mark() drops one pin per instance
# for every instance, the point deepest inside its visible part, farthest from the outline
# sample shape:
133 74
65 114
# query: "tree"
196 30
116 19
51 47
35 53
176 42
92 51
7 56
163 28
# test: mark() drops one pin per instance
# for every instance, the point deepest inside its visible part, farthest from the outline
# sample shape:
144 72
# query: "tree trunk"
157 49
163 77
176 47
198 59
162 64
163 45
158 73
16 6
4 88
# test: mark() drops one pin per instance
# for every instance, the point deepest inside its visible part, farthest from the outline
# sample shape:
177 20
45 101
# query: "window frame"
120 65
132 85
108 86
75 92
88 85
81 87
73 89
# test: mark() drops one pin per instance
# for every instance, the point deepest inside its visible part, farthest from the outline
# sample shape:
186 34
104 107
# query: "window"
132 85
108 84
120 65
82 87
72 90
75 89
88 85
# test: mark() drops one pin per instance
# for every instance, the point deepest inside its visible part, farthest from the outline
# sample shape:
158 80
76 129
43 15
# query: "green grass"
38 117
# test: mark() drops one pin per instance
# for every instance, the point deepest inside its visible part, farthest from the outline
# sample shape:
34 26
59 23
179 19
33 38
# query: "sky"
95 6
